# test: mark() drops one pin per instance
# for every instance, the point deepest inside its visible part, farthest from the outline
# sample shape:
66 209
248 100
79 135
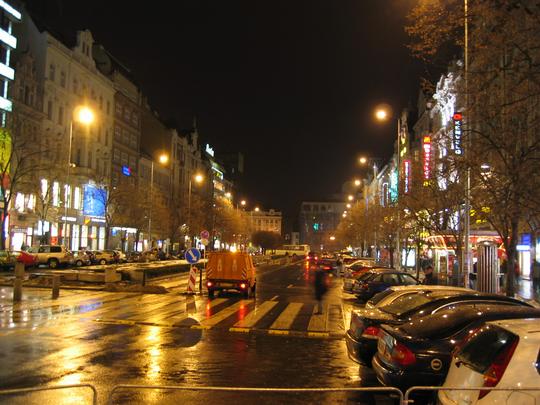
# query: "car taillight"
364 286
371 331
401 354
495 372
327 268
243 286
209 284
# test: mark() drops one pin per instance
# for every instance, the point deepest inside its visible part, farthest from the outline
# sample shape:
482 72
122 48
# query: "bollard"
55 286
19 270
17 290
17 283
110 275
144 277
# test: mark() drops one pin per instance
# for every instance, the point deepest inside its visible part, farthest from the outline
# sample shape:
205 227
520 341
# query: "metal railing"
16 391
418 389
372 390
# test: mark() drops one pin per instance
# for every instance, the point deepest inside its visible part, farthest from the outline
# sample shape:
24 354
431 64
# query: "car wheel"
210 293
253 290
103 261
53 263
78 263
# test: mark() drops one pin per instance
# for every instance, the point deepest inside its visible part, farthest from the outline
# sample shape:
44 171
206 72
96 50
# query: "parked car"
360 273
8 259
82 258
418 352
121 257
103 256
367 287
365 325
498 354
134 257
52 255
358 267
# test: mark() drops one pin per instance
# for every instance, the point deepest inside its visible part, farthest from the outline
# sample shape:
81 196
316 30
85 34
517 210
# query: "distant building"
265 221
318 221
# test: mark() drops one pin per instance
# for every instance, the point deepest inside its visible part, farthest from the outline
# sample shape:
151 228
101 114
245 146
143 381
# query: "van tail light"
402 355
243 286
495 372
371 331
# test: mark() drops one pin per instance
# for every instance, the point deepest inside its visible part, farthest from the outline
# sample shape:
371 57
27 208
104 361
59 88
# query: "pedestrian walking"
429 278
321 286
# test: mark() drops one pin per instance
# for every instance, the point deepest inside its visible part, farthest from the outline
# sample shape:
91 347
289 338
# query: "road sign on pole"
192 255
205 234
205 241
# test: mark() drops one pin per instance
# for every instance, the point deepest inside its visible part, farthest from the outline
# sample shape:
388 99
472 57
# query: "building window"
124 159
127 113
106 137
75 86
56 194
63 79
67 195
116 155
77 198
61 115
125 138
49 110
108 107
52 72
118 109
133 141
118 133
134 118
89 163
132 162
100 102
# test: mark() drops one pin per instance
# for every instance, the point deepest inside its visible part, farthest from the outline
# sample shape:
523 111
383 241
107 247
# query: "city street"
106 339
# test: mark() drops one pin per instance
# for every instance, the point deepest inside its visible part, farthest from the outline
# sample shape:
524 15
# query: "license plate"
385 345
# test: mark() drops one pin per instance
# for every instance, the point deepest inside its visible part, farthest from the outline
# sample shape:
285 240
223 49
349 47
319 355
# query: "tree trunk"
3 234
511 253
457 276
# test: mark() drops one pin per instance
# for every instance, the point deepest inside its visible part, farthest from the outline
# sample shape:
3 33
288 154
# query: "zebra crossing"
228 313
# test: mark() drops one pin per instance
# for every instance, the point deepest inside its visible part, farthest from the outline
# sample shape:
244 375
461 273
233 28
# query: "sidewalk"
528 291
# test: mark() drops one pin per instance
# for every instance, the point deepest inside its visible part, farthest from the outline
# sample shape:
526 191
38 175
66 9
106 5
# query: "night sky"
291 84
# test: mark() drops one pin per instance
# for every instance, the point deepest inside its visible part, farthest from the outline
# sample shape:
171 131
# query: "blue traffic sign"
192 255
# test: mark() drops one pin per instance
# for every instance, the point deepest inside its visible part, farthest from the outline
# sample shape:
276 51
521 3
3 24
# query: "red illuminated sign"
426 146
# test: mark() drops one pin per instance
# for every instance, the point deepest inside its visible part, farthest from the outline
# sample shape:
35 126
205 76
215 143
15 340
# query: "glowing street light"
350 197
243 203
357 182
256 209
163 159
199 178
332 238
381 114
348 205
83 115
362 160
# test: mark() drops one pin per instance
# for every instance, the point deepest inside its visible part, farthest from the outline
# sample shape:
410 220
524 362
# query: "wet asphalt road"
107 339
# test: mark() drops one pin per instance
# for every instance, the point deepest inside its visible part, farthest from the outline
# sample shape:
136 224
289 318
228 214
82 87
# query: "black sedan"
363 333
419 352
367 287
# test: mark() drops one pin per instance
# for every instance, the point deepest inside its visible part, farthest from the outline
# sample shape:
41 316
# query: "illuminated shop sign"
126 171
406 175
209 150
94 201
393 191
426 146
458 131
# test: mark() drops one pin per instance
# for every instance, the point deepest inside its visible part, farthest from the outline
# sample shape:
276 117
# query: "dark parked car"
367 287
419 352
328 264
362 336
364 273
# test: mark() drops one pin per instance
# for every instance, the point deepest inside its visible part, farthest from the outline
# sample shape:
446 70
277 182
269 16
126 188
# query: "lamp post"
163 159
198 179
83 115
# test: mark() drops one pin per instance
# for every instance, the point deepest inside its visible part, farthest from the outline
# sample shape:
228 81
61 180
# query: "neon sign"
426 146
126 171
406 175
458 131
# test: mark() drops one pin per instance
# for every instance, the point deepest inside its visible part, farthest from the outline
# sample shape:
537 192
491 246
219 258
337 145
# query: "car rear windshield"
409 302
482 349
380 296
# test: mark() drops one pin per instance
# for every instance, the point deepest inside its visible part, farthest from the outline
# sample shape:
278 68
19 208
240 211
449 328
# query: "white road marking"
285 320
225 313
319 321
255 316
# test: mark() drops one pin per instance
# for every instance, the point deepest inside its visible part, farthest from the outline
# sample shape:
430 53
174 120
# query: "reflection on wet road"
107 339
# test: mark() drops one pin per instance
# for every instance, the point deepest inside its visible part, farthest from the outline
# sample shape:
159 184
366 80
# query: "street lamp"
162 159
84 115
357 182
350 197
199 178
